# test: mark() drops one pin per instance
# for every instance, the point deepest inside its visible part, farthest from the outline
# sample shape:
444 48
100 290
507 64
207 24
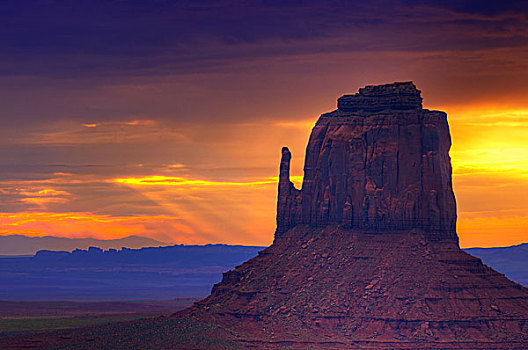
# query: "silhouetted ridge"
179 254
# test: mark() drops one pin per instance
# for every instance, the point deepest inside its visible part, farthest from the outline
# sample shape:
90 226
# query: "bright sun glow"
490 174
160 180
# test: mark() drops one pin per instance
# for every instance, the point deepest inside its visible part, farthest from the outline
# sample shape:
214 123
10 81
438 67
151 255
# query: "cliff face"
379 162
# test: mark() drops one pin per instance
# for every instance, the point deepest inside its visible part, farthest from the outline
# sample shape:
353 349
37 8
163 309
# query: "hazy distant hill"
177 256
23 245
511 261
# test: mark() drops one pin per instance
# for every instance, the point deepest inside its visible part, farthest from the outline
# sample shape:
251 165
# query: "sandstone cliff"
379 162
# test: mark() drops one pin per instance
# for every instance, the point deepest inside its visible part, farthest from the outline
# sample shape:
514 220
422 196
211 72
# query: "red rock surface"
379 166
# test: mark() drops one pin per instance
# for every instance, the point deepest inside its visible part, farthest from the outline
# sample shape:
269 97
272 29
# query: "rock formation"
379 162
366 253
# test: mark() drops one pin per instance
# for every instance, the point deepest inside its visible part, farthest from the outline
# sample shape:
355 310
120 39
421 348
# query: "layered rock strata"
379 162
334 288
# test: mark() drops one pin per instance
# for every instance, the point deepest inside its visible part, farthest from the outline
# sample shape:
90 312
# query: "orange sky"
166 119
489 163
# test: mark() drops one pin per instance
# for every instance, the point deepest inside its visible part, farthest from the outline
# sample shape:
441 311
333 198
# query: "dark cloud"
81 38
484 7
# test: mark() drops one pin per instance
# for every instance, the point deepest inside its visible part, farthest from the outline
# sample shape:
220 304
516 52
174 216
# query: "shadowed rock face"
379 162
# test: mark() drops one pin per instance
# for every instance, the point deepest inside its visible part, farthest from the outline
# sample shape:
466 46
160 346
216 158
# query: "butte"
366 254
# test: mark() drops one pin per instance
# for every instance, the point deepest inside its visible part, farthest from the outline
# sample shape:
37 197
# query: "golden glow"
47 192
146 122
45 196
492 143
490 174
88 224
492 231
140 122
245 209
40 201
303 124
161 180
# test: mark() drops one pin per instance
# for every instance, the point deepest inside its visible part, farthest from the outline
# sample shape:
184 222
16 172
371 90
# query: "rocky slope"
394 290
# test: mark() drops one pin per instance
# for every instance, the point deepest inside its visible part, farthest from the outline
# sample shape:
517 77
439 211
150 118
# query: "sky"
166 119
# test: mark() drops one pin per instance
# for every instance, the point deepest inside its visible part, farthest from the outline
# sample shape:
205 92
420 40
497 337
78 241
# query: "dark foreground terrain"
20 316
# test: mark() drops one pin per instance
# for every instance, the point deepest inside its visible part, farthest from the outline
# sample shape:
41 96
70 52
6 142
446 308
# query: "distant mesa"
24 245
178 256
